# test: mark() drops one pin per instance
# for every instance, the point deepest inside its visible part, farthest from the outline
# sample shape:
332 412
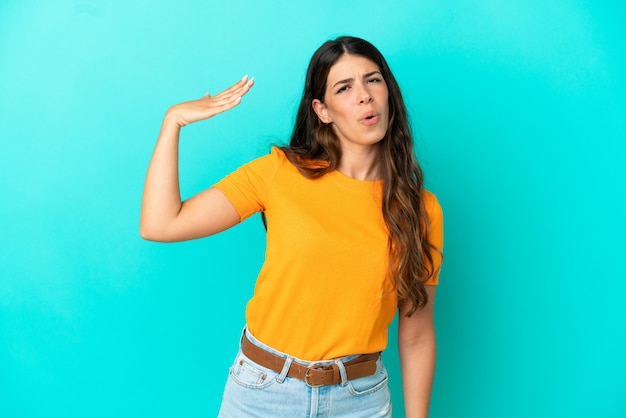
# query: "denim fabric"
255 391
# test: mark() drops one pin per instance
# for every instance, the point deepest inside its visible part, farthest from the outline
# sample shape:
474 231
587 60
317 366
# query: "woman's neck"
360 163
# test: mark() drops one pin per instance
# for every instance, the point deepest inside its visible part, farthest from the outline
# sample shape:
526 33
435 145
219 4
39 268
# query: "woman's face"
355 102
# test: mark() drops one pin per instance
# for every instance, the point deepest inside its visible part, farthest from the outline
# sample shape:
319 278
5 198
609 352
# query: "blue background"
519 111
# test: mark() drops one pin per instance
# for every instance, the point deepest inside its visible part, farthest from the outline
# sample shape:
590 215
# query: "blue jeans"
255 391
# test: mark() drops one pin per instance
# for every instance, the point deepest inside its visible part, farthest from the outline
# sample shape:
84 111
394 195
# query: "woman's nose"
366 97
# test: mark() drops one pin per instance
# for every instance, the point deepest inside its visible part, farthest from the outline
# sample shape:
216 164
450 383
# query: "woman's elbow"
150 233
146 234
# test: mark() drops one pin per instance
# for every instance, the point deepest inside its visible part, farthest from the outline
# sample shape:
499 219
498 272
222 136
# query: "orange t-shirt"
322 292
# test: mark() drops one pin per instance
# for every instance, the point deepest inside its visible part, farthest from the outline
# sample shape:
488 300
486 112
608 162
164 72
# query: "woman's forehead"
350 66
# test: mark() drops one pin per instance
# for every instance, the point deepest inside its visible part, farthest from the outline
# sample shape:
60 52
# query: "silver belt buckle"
307 376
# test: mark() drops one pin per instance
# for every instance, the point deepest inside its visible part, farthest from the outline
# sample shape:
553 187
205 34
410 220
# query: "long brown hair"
312 142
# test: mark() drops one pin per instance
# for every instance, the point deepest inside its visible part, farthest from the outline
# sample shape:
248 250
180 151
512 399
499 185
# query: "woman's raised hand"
209 106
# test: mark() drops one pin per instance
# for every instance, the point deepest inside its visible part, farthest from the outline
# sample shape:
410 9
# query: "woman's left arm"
417 346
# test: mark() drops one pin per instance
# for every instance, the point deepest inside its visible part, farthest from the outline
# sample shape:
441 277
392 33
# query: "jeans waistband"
314 374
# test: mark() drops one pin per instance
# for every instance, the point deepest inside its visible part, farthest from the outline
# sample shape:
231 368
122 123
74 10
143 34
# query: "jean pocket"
249 374
370 384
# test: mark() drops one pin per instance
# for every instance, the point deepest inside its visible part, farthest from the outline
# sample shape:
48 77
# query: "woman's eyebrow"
347 80
372 73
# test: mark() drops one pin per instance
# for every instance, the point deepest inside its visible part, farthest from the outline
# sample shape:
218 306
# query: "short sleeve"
246 188
435 234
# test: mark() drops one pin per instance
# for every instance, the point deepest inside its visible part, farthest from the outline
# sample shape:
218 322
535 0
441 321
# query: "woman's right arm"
164 217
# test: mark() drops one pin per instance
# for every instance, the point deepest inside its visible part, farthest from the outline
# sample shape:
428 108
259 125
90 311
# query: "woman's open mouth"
369 119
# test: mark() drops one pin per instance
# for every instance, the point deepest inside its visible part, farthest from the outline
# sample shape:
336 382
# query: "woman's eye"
375 80
342 89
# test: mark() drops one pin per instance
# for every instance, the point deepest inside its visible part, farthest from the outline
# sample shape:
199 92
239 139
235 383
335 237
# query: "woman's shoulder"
271 160
279 157
431 203
429 197
268 165
277 154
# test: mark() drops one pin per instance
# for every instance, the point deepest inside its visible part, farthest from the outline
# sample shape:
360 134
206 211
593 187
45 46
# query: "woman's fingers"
230 95
240 88
208 106
233 89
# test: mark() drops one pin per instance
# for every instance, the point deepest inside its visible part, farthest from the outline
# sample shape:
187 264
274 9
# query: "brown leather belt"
313 375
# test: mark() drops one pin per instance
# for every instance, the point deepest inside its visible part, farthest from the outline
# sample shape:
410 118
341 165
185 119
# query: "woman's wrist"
172 119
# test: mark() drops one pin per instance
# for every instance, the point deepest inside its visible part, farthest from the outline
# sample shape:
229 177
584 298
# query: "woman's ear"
321 111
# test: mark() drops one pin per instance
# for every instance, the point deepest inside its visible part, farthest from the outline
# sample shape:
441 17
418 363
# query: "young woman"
351 238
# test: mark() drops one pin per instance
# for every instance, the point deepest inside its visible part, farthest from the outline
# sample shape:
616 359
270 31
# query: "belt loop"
243 335
342 372
285 370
